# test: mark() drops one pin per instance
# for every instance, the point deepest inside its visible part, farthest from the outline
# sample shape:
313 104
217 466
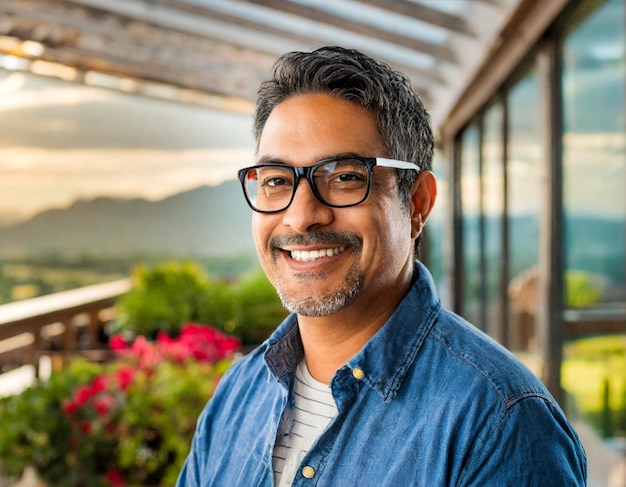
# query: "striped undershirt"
314 407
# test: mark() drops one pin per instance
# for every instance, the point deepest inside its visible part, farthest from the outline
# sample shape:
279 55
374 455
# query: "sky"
62 141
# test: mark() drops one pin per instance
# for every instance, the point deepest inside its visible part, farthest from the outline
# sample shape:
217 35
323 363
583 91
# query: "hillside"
209 220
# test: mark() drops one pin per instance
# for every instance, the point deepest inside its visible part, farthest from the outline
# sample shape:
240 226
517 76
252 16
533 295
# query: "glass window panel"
493 211
525 196
470 204
593 155
594 191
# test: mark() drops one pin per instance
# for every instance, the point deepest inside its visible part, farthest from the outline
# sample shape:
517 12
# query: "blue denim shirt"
440 404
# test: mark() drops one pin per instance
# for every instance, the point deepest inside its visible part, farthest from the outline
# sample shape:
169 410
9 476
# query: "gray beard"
325 303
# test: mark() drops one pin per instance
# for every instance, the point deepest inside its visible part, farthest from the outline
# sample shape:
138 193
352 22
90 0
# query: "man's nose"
306 212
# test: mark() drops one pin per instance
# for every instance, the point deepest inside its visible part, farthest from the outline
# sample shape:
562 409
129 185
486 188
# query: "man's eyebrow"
346 155
276 160
270 160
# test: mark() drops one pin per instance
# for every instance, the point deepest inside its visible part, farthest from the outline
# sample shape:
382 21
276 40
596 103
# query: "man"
369 382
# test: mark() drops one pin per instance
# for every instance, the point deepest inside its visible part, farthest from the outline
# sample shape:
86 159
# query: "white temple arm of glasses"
381 161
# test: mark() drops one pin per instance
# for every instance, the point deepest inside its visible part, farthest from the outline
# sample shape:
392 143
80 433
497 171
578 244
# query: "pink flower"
82 395
103 403
140 346
98 384
201 342
118 343
125 375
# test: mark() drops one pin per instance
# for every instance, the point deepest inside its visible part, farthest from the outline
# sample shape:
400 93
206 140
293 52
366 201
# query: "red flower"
70 407
125 375
98 384
200 342
118 342
83 394
103 403
115 478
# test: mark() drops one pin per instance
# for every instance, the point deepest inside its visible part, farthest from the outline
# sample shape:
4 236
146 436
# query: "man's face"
320 259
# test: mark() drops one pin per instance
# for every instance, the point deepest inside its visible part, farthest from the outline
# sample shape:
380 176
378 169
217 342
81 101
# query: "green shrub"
128 422
167 295
580 290
218 307
33 429
163 298
259 309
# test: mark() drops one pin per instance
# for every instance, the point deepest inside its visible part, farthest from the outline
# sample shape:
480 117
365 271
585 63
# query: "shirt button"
357 373
308 472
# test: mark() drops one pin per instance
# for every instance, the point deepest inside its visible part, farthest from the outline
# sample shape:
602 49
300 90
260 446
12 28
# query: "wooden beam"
422 12
196 53
440 52
523 31
421 77
550 293
88 39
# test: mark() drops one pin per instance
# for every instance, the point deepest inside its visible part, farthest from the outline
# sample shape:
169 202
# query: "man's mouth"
309 255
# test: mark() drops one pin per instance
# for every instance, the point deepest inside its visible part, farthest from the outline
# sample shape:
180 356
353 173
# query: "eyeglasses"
338 182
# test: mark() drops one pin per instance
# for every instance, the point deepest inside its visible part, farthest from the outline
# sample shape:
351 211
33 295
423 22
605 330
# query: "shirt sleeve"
190 475
533 445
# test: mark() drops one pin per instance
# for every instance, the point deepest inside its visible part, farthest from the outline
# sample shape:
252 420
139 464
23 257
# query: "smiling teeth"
308 255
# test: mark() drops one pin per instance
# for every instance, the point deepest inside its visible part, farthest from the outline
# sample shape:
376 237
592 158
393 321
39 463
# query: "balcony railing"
69 322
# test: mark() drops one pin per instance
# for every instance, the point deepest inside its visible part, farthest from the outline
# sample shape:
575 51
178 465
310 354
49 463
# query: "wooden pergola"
216 52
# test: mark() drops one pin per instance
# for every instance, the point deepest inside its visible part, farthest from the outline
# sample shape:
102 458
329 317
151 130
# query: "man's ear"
423 196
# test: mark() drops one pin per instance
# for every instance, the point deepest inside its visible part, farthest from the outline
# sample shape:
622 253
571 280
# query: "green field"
594 377
30 277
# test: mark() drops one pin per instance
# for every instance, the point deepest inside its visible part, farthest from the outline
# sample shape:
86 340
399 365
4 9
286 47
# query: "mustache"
315 238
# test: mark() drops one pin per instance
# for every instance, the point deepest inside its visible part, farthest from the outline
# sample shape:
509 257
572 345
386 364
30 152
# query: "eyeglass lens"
342 182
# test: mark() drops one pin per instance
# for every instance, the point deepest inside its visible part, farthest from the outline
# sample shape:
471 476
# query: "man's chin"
310 303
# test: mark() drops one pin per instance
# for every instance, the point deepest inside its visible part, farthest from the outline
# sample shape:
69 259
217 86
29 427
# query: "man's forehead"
315 127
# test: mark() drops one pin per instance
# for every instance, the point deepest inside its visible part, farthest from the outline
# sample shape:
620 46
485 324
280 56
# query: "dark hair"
401 118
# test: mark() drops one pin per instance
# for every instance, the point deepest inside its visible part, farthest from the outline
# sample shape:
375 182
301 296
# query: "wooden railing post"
33 315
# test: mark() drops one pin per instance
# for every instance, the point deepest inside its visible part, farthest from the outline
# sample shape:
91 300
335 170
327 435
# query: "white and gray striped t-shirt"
314 408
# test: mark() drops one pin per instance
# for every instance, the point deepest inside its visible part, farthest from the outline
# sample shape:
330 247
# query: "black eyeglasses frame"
306 172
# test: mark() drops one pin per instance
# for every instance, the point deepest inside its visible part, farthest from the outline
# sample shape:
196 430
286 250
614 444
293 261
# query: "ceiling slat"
85 38
421 77
225 48
440 52
424 13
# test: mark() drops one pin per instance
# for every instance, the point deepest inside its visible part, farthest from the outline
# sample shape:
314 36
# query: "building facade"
534 170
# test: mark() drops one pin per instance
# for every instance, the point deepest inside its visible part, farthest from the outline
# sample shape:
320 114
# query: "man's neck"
331 341
328 346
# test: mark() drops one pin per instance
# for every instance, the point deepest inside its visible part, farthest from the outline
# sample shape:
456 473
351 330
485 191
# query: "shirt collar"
386 357
284 348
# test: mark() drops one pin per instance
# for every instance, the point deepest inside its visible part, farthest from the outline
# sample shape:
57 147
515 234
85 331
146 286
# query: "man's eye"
347 180
346 177
275 182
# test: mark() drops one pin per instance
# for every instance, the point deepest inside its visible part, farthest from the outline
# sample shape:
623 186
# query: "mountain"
206 221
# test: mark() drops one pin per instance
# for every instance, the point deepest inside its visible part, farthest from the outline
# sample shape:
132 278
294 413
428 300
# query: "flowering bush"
129 422
171 293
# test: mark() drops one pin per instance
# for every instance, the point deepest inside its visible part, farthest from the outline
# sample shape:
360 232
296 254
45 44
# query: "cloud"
56 114
61 141
35 179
